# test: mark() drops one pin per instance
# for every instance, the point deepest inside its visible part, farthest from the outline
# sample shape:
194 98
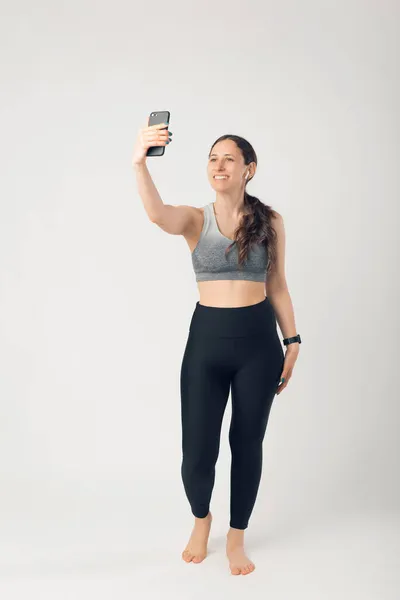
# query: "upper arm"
177 220
276 278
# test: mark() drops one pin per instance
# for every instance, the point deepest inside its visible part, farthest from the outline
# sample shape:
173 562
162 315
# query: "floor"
61 543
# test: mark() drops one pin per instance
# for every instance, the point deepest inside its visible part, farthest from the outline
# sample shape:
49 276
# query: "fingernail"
282 380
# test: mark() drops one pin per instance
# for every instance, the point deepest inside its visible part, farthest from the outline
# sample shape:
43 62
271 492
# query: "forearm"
282 304
148 192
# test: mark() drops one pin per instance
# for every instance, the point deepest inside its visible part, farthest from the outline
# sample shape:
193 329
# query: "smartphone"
161 116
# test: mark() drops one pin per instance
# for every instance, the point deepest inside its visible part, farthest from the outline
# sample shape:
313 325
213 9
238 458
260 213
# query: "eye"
213 159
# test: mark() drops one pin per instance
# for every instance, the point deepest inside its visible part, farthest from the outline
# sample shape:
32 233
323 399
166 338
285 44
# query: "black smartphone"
161 116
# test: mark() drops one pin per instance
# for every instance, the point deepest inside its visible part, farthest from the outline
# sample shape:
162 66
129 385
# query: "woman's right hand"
149 135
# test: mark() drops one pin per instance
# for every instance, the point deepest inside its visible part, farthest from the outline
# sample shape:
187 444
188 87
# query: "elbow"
154 218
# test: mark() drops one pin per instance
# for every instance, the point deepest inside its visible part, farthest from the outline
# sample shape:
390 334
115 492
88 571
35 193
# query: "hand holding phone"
152 139
157 118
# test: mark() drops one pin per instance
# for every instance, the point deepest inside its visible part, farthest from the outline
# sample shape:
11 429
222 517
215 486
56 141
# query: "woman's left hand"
288 365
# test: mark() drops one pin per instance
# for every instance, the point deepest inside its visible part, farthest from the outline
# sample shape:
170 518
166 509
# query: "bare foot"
196 549
239 562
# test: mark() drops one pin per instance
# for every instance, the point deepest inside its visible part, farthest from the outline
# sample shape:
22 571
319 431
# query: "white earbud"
247 174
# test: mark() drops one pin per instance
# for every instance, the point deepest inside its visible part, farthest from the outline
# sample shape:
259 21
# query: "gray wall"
95 300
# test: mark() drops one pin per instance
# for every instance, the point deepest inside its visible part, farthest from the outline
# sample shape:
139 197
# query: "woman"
237 245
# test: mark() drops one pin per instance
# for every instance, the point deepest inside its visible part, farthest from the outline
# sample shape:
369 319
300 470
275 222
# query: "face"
226 159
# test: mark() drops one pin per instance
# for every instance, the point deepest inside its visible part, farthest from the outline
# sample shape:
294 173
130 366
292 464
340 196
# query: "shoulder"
277 221
195 222
276 216
191 214
186 207
193 211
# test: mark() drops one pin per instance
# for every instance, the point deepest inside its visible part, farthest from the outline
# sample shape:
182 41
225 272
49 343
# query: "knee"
247 447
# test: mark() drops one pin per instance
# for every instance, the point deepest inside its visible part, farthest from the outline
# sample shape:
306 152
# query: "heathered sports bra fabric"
209 259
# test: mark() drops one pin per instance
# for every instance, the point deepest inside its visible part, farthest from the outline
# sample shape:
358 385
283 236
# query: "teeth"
220 177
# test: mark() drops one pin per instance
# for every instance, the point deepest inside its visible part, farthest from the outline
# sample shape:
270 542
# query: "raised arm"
176 220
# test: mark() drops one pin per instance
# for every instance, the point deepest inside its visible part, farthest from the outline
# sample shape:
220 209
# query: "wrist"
139 165
293 339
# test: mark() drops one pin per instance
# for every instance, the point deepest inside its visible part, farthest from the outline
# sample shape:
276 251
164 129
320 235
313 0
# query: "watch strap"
292 340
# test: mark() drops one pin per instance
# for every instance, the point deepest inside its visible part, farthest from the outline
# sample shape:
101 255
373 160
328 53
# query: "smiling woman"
237 250
232 163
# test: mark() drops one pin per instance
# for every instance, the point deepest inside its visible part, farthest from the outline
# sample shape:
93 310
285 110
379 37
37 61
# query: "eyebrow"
226 154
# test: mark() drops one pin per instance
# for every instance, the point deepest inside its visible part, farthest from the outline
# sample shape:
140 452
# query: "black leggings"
235 349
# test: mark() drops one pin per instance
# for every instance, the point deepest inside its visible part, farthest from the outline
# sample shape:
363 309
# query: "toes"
198 559
235 571
248 569
187 556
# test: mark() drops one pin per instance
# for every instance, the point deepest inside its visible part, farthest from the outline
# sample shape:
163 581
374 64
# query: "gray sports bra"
209 259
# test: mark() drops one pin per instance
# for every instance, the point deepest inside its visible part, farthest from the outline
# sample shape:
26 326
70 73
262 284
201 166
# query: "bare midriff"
230 293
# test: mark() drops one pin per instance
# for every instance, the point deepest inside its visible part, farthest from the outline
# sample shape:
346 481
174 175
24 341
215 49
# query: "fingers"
154 140
283 384
156 137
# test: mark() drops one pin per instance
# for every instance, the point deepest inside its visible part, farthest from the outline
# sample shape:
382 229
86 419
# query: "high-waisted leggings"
228 349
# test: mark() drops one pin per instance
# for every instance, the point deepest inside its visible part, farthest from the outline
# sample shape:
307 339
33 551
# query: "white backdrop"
95 300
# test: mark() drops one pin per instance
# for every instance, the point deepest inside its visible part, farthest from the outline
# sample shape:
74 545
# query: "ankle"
235 536
201 520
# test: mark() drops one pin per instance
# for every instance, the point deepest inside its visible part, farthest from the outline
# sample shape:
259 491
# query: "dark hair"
255 226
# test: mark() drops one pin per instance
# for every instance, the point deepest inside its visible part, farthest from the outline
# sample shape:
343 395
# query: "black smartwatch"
292 340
